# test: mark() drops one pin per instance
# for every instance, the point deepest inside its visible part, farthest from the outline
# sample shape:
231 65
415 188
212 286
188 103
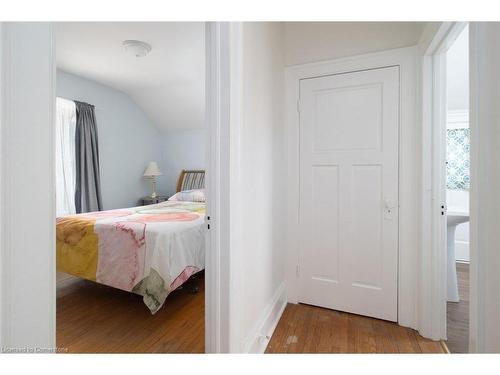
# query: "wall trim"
406 59
28 298
261 333
484 58
457 119
3 117
432 235
218 119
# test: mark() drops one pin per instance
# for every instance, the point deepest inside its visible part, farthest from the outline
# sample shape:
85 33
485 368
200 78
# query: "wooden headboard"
191 179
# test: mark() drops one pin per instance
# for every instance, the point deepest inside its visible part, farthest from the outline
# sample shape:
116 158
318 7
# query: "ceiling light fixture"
136 47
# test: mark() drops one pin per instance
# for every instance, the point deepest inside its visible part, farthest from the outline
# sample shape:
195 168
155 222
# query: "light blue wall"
128 140
182 149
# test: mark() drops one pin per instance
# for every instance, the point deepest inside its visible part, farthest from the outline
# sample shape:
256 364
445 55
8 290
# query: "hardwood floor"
458 314
310 329
93 318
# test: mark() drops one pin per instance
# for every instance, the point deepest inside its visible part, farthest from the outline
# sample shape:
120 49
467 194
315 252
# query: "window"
457 159
65 157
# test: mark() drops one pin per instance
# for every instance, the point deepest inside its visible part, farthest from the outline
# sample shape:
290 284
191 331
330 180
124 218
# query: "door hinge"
297 270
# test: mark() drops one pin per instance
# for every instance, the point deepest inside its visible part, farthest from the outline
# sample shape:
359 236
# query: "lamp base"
153 194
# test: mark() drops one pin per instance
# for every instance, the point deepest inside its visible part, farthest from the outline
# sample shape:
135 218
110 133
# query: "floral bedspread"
148 250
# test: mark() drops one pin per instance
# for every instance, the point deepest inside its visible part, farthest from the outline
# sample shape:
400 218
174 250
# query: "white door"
349 192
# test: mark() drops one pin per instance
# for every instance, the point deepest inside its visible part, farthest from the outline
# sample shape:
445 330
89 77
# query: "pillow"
195 195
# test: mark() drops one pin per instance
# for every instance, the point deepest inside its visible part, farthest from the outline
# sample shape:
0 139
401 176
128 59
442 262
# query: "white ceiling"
168 84
318 41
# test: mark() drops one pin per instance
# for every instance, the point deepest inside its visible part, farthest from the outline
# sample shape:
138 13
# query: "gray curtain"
88 181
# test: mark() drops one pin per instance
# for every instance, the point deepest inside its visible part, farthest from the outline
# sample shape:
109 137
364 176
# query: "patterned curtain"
458 159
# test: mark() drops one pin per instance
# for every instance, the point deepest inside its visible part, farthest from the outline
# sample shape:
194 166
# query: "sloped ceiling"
168 83
307 42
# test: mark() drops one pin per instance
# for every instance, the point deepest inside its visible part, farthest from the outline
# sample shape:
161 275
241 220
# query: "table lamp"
151 172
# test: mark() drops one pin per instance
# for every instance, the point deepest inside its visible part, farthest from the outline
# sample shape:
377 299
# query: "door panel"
354 109
366 216
349 192
325 223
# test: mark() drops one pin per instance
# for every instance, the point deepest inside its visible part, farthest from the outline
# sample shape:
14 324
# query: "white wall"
128 140
168 84
317 41
457 73
26 163
2 261
182 149
485 200
261 189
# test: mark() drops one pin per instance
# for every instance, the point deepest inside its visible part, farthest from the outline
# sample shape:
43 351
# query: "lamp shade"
152 170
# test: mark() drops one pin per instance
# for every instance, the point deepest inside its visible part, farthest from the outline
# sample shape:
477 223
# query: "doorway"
403 60
446 179
30 48
457 192
131 226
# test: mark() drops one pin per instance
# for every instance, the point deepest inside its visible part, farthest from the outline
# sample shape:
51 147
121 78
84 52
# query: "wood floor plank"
297 340
281 334
428 346
457 314
306 329
328 333
384 338
340 332
310 342
93 318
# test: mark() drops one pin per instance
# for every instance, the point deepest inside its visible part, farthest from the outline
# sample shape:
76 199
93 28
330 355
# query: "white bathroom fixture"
453 218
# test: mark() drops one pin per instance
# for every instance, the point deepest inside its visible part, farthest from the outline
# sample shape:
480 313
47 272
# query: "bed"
148 250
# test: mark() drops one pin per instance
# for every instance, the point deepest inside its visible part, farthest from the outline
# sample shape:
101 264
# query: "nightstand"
148 200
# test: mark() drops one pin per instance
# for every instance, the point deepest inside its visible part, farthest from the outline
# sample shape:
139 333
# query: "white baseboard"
260 335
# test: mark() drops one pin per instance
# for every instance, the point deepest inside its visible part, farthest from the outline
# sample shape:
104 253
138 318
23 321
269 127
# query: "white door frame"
27 262
432 275
220 46
27 226
406 59
484 56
